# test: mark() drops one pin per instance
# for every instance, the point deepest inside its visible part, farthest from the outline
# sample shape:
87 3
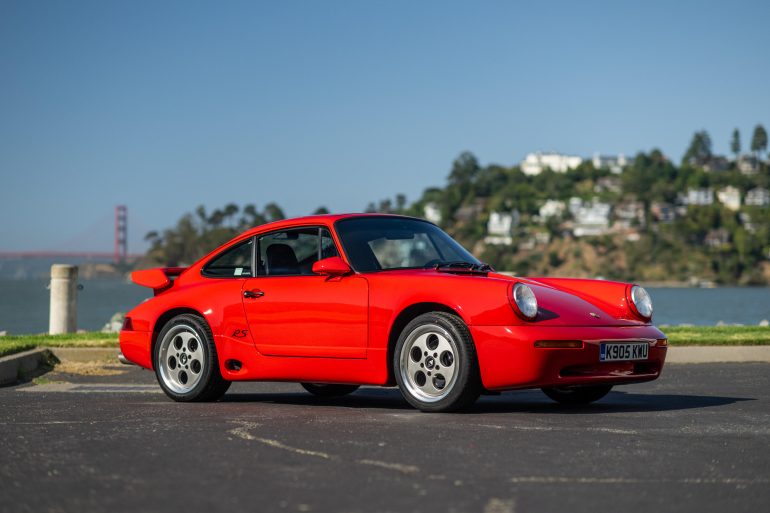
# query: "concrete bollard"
64 301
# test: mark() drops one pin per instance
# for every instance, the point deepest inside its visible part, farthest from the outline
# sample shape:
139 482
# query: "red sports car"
338 301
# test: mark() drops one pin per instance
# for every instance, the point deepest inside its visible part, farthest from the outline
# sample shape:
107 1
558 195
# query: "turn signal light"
662 342
559 344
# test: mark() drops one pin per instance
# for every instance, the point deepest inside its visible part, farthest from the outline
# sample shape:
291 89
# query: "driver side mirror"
332 266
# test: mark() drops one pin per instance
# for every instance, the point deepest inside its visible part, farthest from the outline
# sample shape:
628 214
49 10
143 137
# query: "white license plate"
623 351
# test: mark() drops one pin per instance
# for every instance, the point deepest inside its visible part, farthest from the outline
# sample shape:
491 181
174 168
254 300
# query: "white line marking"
633 480
90 388
495 505
398 467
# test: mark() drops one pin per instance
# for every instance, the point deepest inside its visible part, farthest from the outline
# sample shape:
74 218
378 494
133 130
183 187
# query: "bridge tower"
121 234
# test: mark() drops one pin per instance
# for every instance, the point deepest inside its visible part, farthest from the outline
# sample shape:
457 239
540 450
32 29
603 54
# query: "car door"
293 312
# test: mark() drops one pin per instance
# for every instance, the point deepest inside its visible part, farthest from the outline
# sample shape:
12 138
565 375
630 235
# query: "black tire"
329 390
464 385
210 384
577 395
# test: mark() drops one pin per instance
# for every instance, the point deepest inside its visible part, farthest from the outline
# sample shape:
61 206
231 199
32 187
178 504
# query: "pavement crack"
243 433
398 467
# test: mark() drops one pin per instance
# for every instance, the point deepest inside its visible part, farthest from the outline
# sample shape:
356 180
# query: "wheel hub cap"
428 363
181 359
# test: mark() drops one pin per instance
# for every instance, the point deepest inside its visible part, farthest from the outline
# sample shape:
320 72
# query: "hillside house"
730 197
536 163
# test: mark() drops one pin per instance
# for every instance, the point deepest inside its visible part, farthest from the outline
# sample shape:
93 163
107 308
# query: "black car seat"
281 260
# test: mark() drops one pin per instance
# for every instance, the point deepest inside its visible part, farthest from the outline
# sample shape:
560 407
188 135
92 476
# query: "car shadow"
522 401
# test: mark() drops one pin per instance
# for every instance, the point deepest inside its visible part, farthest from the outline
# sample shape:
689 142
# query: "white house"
432 213
575 204
747 164
699 196
536 163
551 208
592 219
730 197
615 163
499 227
758 197
629 213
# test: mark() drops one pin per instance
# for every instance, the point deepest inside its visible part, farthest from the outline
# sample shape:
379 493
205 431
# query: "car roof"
324 219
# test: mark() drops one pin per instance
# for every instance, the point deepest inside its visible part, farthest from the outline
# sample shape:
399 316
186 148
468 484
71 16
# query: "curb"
86 354
15 366
718 354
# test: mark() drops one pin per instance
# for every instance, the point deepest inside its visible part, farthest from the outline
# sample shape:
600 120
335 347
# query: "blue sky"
168 105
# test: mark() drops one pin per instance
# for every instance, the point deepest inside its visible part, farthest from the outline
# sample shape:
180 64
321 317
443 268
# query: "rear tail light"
127 325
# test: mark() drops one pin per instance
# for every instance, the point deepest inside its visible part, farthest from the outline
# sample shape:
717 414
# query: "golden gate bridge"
119 255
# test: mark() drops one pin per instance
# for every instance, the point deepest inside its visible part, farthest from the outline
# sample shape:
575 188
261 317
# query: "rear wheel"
577 395
435 363
185 361
329 390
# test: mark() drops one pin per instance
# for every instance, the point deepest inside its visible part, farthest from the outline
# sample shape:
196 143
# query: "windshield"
381 243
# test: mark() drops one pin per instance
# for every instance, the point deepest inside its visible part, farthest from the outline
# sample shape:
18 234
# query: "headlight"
525 301
642 301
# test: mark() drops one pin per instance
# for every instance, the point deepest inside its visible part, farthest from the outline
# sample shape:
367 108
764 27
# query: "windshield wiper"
469 266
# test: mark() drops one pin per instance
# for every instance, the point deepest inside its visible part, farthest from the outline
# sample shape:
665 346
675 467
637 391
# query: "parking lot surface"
698 439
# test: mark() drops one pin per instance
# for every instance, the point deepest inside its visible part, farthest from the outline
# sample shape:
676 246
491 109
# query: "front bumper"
508 358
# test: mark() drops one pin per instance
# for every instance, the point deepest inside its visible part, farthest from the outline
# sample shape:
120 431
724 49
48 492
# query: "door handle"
253 294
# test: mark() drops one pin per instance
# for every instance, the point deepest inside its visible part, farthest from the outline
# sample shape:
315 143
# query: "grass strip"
717 335
11 344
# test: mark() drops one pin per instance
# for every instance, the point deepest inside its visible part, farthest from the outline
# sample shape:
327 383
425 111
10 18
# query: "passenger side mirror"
332 266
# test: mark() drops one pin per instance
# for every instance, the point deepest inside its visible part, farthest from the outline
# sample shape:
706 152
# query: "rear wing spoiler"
158 279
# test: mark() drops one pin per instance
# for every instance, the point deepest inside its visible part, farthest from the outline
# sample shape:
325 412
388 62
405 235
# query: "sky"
164 106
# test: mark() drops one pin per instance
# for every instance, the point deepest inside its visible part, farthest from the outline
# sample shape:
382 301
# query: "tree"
464 169
273 212
699 150
400 202
735 143
759 140
202 216
231 210
321 211
251 217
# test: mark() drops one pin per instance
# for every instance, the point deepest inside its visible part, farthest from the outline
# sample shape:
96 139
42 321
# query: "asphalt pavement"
698 439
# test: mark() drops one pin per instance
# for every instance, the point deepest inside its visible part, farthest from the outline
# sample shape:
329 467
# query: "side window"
293 252
328 249
233 263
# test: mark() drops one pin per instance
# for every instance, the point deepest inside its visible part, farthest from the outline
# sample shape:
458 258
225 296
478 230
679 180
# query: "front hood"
560 308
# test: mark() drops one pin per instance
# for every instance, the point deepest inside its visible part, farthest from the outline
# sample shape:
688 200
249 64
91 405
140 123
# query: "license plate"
623 351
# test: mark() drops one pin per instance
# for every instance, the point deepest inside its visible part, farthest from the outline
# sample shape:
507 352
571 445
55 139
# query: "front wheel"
329 390
185 361
577 395
435 363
